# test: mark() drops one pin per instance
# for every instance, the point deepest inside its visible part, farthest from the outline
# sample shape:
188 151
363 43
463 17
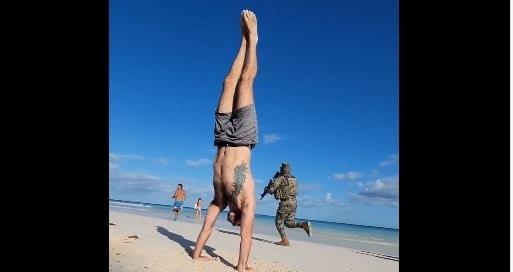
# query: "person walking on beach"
197 207
179 196
284 188
236 134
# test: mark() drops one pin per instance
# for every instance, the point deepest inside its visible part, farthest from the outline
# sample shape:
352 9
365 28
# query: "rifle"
266 189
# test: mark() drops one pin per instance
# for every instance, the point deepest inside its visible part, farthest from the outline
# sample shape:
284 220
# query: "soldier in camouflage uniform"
284 188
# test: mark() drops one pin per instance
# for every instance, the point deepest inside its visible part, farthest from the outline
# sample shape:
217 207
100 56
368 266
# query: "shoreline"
164 245
266 215
324 234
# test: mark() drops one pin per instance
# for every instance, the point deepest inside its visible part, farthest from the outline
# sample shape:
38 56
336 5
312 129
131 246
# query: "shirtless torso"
233 181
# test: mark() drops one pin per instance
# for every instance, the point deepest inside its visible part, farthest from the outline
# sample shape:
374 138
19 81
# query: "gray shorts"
236 128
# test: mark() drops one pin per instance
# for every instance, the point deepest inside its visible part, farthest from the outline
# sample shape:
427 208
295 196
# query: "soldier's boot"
307 226
284 241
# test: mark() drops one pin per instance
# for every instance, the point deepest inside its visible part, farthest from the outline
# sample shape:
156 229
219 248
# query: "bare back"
234 183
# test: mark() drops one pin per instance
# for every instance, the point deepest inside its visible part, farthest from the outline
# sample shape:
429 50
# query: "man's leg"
230 82
244 88
279 221
290 221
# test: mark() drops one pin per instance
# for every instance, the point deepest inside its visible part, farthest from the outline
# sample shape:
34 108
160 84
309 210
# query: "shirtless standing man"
236 133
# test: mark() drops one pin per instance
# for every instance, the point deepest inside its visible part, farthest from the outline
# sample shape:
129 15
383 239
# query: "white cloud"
271 138
391 160
146 185
384 191
194 191
328 199
353 175
162 161
338 176
198 162
142 184
117 174
346 176
136 182
118 157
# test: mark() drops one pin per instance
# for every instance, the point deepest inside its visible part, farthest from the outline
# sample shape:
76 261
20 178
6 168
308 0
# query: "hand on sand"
203 258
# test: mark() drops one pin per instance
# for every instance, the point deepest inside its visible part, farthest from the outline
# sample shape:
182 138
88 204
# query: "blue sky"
326 97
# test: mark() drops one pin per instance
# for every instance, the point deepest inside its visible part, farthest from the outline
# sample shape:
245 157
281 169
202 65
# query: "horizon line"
168 205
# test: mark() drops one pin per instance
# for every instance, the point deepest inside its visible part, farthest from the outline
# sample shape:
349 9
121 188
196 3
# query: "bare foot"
243 27
250 21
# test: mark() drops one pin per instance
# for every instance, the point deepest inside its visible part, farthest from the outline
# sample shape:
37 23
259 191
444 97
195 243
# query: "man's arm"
246 235
275 185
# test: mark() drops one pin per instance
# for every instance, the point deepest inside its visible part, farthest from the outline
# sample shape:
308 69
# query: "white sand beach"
164 245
